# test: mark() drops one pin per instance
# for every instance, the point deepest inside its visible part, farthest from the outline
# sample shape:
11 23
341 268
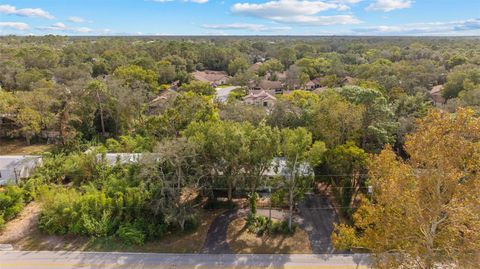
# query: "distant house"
262 98
255 67
320 90
215 78
436 95
313 84
159 103
281 76
15 168
272 87
310 86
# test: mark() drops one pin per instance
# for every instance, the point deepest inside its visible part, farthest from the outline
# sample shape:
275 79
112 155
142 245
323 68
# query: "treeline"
49 84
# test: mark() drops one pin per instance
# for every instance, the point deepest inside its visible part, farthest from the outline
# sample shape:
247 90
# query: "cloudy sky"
240 17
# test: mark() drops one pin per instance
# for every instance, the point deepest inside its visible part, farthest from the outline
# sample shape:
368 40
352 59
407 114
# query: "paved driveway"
316 217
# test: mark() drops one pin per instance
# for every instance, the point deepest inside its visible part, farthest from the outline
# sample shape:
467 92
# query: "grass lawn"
20 147
189 242
242 241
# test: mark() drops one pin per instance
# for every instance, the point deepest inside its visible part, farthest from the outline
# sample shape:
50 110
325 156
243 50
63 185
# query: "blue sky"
240 17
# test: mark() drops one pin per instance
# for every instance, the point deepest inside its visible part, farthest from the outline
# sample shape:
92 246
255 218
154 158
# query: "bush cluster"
11 203
115 203
261 225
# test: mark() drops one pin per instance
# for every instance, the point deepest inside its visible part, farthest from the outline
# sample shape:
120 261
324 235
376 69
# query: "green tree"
198 87
335 120
166 72
263 145
30 122
378 125
295 144
461 78
347 165
133 75
186 108
237 65
222 146
270 67
99 91
287 56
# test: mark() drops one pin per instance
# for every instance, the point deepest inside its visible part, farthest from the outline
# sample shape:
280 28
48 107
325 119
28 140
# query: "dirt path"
22 225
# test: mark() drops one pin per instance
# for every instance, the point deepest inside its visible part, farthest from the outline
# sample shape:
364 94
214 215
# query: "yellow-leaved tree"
424 212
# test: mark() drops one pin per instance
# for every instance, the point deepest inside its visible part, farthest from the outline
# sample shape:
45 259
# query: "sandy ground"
24 224
242 241
19 147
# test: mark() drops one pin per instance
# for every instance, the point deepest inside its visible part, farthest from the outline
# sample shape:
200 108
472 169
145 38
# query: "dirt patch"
21 226
20 147
241 241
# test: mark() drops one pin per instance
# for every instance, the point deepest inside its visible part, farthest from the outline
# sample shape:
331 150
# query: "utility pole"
270 207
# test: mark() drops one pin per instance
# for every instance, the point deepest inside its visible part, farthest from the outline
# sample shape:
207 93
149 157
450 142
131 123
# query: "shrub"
258 225
261 225
11 202
279 198
191 223
30 187
2 222
281 227
58 214
131 235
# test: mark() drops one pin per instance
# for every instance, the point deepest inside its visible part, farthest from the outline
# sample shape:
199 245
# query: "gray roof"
279 168
120 158
10 162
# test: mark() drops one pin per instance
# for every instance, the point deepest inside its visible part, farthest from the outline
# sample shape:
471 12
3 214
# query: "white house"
260 99
14 168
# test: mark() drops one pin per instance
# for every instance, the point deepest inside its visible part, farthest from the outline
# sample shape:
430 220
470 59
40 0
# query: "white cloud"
297 11
14 25
464 27
60 26
25 12
389 5
76 19
246 26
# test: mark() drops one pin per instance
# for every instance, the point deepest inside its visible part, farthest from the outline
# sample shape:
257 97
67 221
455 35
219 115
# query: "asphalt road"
68 260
